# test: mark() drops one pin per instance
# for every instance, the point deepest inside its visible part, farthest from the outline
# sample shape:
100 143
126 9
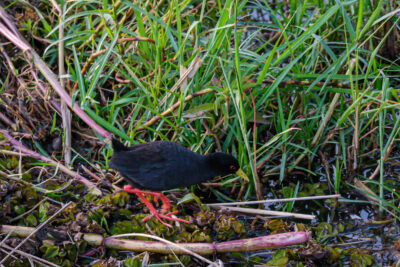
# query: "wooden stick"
266 212
273 200
12 153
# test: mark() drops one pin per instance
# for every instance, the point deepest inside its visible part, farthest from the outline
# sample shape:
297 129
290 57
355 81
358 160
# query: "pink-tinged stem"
14 39
243 245
19 147
262 242
10 24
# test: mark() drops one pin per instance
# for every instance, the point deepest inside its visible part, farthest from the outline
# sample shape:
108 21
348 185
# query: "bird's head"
225 164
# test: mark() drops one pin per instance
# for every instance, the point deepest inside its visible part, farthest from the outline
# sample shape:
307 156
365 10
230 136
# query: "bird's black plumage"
164 165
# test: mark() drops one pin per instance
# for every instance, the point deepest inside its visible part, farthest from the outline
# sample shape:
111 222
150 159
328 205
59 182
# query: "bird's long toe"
166 217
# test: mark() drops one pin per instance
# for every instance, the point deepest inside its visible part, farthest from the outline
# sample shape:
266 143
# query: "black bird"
163 165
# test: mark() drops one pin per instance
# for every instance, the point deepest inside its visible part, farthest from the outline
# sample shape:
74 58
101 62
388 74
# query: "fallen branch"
12 153
266 212
273 200
19 147
167 242
242 245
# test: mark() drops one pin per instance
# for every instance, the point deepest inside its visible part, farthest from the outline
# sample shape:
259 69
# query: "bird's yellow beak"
242 174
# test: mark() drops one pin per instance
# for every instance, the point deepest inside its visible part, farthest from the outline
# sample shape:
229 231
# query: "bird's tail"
117 145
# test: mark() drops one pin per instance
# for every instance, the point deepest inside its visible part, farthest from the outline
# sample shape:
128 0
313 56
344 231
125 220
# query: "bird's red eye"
232 167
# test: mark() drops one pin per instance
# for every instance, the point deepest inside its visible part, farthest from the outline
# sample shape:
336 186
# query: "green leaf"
31 220
192 197
51 251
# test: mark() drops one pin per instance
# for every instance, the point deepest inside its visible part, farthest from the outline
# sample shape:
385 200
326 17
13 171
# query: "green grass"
304 93
339 42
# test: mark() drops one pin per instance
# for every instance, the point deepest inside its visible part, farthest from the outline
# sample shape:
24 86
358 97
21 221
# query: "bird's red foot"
164 208
166 217
157 195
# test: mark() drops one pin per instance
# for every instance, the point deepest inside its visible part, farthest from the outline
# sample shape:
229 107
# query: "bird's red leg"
153 211
157 195
166 205
166 202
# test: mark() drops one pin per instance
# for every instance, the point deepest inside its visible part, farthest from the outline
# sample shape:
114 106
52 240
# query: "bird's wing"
142 162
